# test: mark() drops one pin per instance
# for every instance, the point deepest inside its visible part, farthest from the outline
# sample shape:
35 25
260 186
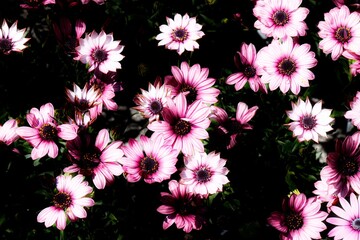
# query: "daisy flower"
354 113
282 18
8 133
99 159
340 31
181 207
300 218
308 122
325 192
12 39
346 219
193 81
44 131
69 202
204 174
245 61
151 102
148 158
286 65
180 33
184 126
100 51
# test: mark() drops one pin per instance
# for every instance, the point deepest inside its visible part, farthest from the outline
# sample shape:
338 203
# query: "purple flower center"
343 34
5 45
48 132
356 224
249 71
192 93
294 221
62 200
149 165
99 55
180 35
203 175
89 161
182 127
287 66
155 106
307 122
348 166
280 18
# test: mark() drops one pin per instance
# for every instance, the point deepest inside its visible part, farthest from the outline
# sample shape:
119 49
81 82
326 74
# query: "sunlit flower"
308 122
44 131
282 18
12 39
194 82
300 218
149 159
286 65
181 207
180 33
8 133
340 31
245 61
100 51
184 126
99 159
70 201
346 220
354 113
204 173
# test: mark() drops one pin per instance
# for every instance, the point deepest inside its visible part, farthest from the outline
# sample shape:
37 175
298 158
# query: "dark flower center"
307 122
155 107
249 71
185 205
180 35
192 93
280 18
203 175
83 104
356 224
62 200
343 34
149 165
294 221
287 66
233 126
48 132
99 55
348 166
182 127
89 161
5 45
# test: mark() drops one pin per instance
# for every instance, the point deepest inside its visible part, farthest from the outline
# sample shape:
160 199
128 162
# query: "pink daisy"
181 207
8 133
245 61
70 200
12 39
300 218
180 33
325 192
100 51
184 126
204 174
281 18
354 113
286 65
308 122
346 219
193 81
44 131
340 31
148 158
354 61
99 159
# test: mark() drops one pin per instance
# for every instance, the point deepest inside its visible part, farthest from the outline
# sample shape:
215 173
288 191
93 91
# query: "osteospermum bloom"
181 207
300 218
354 113
99 159
308 122
282 18
183 126
340 31
149 159
100 51
204 173
180 33
44 131
245 61
193 81
346 220
286 65
8 133
12 39
70 201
